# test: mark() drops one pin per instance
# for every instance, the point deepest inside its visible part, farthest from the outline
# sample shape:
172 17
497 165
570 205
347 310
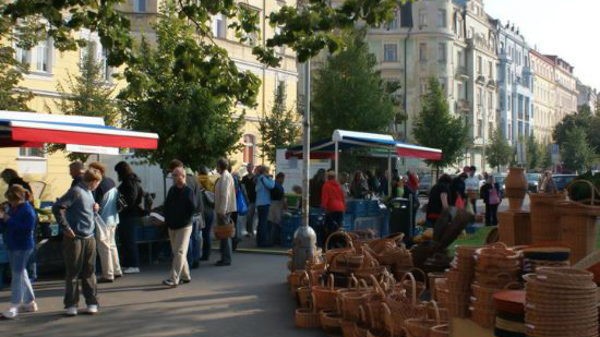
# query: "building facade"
566 87
544 96
515 82
587 96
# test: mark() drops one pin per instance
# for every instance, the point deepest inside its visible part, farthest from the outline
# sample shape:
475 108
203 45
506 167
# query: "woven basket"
442 330
308 318
543 213
224 232
404 305
325 296
421 327
374 308
331 322
361 326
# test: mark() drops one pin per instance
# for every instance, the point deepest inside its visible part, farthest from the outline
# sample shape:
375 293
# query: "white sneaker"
92 309
28 307
71 311
131 270
11 313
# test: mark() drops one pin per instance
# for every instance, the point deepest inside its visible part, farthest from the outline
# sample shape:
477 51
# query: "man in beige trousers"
179 211
225 204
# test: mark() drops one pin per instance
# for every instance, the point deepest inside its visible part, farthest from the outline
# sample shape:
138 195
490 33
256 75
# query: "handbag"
460 203
242 205
494 198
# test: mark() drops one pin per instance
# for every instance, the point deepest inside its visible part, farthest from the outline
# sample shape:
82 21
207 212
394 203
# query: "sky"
569 29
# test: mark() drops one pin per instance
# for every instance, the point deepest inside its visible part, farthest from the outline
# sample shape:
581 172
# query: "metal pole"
337 160
305 237
389 177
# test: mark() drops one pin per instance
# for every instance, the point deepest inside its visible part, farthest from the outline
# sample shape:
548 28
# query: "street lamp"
305 238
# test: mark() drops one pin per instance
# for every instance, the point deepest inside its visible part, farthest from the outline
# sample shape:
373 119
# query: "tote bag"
242 206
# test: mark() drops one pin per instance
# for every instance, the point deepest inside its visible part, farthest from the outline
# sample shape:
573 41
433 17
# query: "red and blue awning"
325 149
23 129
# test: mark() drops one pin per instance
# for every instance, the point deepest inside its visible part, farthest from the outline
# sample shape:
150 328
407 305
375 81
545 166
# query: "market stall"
80 134
360 214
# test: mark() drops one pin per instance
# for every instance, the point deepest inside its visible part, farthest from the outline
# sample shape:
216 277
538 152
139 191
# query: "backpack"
277 192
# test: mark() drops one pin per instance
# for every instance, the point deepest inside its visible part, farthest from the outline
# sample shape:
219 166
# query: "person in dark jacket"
11 177
18 224
458 188
438 199
315 187
130 216
249 187
372 182
490 193
76 171
359 188
180 206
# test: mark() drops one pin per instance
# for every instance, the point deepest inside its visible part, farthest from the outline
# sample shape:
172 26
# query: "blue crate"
358 208
291 222
151 233
287 238
141 233
364 223
348 222
373 208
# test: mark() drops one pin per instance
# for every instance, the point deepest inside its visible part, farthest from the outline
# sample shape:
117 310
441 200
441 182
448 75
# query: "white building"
566 87
587 96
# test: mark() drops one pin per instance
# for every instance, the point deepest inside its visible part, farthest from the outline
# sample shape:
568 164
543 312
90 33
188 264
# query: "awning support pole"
389 177
337 163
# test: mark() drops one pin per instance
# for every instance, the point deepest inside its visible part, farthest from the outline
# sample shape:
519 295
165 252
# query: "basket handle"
438 318
372 315
312 304
498 245
396 237
387 317
514 286
376 285
331 283
420 271
354 280
594 189
362 316
338 233
305 276
364 283
414 286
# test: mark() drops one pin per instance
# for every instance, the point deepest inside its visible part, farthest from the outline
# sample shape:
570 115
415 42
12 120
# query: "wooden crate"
514 228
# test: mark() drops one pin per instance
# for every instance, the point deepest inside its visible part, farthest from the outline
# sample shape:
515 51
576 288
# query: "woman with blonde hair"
19 225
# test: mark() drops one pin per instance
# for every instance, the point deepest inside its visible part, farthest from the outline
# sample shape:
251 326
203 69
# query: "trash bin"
401 219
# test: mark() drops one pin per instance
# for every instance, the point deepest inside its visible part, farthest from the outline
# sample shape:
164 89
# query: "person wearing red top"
333 201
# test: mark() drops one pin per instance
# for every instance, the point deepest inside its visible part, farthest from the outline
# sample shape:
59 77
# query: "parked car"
425 185
562 180
533 179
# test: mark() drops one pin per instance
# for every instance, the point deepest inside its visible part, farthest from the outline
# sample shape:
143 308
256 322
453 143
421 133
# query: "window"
394 23
471 33
423 86
509 103
219 26
480 97
423 52
461 58
41 52
479 127
139 6
423 18
22 55
490 70
479 65
31 152
249 147
490 100
459 91
442 52
441 18
442 81
390 53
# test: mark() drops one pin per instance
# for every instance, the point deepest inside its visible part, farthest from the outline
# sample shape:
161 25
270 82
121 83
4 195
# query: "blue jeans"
22 292
128 237
207 235
262 232
194 252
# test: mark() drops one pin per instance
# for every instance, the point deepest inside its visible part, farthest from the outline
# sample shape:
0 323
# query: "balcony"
461 73
463 105
481 79
491 84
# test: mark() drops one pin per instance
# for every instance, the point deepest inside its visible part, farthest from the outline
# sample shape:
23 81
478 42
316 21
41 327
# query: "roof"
34 129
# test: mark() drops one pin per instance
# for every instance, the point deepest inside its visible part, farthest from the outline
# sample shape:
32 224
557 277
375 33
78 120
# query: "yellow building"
544 89
49 67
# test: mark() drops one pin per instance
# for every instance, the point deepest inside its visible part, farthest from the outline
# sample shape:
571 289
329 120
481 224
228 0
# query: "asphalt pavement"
249 298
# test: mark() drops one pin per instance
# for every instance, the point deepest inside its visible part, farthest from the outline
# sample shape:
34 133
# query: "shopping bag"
460 203
242 206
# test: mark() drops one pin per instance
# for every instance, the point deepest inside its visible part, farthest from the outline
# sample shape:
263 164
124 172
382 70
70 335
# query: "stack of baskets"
535 256
510 313
498 267
561 302
454 293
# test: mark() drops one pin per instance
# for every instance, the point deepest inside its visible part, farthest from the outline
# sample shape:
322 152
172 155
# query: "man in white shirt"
225 204
472 185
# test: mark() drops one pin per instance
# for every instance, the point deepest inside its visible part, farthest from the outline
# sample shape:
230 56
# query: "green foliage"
499 153
87 94
192 111
11 74
349 93
436 127
280 128
546 155
533 154
576 153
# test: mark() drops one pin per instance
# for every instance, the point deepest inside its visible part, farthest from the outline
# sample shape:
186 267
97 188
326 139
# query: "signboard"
293 169
93 149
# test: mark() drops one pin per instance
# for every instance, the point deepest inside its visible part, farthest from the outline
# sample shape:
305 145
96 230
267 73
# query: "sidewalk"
250 298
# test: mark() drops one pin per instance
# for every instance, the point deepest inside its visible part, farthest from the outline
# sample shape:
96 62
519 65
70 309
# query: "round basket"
331 322
307 318
442 330
224 232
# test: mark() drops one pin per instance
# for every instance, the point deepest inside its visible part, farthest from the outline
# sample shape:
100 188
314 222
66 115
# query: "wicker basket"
325 296
404 305
224 232
442 330
308 318
331 322
421 327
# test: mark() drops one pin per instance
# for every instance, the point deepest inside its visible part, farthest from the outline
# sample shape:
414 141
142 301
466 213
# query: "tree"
499 153
436 127
280 128
11 74
195 120
533 154
546 153
87 94
349 93
582 119
576 153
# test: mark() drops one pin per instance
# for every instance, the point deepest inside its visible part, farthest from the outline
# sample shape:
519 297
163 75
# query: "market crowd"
96 209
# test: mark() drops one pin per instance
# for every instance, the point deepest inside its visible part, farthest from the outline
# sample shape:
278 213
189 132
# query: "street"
250 298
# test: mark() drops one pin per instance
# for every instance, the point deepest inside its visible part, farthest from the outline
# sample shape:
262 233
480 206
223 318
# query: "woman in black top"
359 188
490 193
438 199
130 216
